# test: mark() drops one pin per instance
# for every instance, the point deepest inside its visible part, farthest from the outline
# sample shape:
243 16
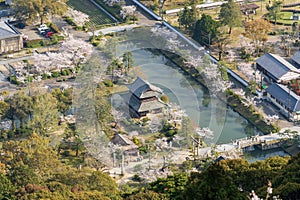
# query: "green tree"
186 18
230 15
222 40
172 186
45 114
274 10
32 10
6 188
20 107
127 61
147 195
105 184
165 98
4 108
251 88
213 183
206 30
64 99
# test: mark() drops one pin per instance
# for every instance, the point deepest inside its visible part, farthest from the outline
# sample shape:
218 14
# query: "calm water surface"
204 110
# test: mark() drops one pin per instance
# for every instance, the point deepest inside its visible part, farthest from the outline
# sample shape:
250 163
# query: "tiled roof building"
277 68
285 99
144 98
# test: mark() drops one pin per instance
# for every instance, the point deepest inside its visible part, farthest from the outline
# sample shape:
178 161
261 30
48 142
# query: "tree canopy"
257 30
230 15
32 10
274 10
206 30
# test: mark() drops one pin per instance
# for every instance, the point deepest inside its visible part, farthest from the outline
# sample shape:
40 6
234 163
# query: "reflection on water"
201 107
257 154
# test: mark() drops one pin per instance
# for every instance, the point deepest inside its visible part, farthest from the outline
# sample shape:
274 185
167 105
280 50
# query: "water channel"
204 110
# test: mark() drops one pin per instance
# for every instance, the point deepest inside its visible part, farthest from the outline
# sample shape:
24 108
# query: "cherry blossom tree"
127 11
113 2
72 52
212 73
78 17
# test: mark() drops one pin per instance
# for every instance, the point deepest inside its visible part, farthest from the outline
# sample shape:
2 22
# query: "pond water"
200 106
257 154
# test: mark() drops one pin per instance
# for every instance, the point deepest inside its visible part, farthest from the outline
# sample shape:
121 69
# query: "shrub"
34 43
45 76
14 80
65 72
164 98
55 74
108 83
29 79
70 21
54 27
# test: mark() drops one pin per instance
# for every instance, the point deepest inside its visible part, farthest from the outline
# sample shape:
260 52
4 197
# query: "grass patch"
97 17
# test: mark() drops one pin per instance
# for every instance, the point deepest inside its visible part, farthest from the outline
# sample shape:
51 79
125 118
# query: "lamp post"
162 2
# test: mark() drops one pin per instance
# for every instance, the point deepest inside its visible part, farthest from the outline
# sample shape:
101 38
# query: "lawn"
96 15
286 18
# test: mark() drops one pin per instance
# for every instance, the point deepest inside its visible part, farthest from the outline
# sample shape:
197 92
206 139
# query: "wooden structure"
144 98
126 145
248 9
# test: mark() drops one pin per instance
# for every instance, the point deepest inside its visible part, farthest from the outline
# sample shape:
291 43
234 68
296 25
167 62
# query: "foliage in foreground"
230 179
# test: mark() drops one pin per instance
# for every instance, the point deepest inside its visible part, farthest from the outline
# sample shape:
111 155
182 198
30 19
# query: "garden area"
97 17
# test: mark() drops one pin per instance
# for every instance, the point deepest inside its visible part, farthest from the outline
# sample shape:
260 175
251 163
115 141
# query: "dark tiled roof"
143 106
275 65
251 6
6 13
281 93
296 57
7 31
143 89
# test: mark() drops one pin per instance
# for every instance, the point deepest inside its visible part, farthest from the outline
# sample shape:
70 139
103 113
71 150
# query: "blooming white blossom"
127 11
205 133
112 2
271 118
71 53
78 17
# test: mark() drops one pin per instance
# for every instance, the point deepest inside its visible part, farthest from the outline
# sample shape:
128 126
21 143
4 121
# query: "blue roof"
281 93
296 57
275 65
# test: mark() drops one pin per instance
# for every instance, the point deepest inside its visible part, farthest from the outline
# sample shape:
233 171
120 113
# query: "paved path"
114 29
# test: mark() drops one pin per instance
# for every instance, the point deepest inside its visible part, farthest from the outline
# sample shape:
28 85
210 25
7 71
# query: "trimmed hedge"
35 43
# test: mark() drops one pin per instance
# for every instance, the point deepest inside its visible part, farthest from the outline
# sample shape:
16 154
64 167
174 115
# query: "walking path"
114 29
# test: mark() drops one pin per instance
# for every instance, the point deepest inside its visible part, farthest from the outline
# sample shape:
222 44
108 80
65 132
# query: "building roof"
143 89
143 106
281 93
7 30
124 141
246 7
6 13
296 57
276 65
